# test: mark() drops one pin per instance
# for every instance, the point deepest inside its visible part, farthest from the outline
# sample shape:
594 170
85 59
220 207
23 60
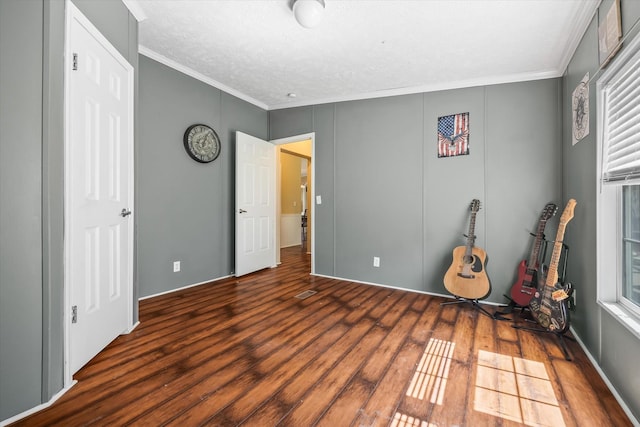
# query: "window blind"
621 127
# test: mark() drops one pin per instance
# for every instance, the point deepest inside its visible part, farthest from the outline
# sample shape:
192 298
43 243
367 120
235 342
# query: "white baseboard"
183 287
497 304
135 325
38 408
290 246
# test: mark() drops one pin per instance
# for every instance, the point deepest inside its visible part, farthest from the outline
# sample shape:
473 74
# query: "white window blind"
621 105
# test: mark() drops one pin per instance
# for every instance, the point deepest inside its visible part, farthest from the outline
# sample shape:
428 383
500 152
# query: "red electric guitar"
525 286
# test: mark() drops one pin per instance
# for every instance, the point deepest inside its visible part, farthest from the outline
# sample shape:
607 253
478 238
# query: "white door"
99 191
255 204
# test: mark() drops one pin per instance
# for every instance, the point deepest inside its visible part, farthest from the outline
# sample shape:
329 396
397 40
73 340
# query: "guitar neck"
535 252
470 236
552 273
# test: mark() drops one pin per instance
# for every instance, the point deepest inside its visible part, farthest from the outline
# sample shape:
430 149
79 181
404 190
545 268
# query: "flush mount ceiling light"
308 13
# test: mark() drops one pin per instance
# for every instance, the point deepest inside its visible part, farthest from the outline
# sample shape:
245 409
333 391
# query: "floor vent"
306 294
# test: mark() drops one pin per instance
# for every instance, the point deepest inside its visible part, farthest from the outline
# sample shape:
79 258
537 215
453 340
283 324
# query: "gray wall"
386 193
377 182
20 197
185 208
31 189
376 167
612 345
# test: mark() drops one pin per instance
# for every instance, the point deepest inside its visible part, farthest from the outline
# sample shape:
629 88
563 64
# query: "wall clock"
202 143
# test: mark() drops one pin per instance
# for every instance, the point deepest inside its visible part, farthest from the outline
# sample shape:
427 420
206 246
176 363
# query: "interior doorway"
294 199
295 177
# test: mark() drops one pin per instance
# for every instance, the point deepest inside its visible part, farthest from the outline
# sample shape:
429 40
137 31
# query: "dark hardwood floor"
248 352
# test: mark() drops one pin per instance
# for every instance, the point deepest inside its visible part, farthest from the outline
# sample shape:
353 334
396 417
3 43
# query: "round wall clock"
202 143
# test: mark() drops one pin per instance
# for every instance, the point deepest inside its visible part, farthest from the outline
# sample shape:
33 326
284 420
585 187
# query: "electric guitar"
466 277
549 305
523 289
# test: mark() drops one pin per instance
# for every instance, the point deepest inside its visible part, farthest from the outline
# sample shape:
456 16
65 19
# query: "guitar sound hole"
477 264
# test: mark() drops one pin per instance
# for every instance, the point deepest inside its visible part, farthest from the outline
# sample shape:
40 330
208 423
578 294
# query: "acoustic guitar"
466 277
549 305
525 286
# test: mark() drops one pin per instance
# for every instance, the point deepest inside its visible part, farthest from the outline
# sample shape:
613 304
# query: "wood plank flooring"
248 352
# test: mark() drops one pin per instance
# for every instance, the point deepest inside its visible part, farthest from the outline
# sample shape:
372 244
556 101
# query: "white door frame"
73 13
288 140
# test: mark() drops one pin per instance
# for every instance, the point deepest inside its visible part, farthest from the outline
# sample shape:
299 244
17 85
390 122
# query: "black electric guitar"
525 286
466 277
549 305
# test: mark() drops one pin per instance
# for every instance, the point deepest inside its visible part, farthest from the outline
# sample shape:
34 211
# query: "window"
630 289
618 240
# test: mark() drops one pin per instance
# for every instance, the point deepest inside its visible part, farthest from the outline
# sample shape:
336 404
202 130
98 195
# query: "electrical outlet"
176 266
376 261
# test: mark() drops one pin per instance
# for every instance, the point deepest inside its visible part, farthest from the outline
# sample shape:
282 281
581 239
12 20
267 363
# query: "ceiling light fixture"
308 13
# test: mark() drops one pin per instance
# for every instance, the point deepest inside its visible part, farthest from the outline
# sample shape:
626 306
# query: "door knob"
125 212
243 211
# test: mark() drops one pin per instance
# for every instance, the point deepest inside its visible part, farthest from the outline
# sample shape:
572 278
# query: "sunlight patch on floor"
402 420
516 389
430 378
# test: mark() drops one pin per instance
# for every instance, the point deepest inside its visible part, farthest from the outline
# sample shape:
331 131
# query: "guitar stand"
476 305
560 336
510 307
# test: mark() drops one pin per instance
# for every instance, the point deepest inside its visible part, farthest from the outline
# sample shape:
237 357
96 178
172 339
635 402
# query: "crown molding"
199 76
411 90
135 9
579 25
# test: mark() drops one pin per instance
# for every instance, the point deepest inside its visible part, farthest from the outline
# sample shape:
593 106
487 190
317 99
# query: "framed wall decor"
453 135
580 110
610 33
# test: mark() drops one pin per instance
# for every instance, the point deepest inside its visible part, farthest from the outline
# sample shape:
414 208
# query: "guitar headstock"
567 214
475 205
549 210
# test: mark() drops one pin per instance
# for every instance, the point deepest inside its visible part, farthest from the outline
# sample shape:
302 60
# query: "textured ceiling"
256 50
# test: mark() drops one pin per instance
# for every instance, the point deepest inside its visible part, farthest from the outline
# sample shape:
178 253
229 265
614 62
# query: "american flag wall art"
453 135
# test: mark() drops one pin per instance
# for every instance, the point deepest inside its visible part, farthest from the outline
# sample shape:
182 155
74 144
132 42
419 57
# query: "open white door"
99 192
255 204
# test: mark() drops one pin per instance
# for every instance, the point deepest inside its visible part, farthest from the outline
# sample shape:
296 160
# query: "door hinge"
75 62
74 314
